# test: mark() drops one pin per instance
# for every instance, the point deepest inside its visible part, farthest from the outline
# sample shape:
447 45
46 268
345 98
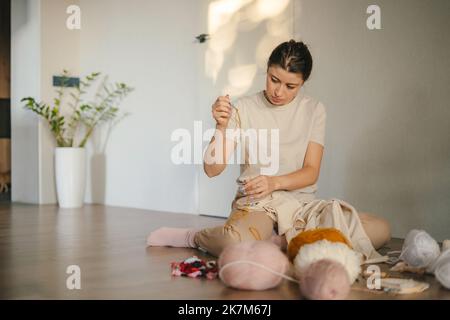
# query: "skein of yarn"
252 265
333 251
325 280
419 249
326 268
442 268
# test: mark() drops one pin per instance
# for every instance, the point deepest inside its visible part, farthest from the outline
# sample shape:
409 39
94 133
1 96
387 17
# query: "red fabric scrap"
194 267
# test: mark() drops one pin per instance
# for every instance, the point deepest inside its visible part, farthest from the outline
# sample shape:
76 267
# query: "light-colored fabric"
294 216
280 205
299 122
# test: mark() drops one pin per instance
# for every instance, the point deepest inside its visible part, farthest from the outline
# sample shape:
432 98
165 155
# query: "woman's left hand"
260 186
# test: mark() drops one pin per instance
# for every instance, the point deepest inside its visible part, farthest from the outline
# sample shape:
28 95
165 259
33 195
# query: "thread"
258 265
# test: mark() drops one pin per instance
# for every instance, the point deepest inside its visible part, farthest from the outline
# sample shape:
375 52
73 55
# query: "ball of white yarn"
419 250
442 269
334 251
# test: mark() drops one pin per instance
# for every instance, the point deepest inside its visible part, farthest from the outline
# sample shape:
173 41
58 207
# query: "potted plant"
79 118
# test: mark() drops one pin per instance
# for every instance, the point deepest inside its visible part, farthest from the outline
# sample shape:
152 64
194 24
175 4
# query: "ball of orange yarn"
247 265
324 262
313 235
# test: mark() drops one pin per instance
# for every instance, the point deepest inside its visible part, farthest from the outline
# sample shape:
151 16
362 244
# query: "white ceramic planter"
70 172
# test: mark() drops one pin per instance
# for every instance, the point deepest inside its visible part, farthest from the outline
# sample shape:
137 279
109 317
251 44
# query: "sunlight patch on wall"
279 29
268 8
228 19
240 79
220 12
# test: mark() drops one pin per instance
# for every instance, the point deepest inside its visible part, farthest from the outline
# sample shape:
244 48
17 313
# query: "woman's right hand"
221 111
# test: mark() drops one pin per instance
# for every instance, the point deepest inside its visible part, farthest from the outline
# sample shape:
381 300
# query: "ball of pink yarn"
325 280
248 276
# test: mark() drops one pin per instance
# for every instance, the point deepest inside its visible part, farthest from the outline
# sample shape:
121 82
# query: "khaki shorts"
240 226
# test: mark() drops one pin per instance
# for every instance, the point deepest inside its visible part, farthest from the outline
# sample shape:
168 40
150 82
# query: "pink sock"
172 237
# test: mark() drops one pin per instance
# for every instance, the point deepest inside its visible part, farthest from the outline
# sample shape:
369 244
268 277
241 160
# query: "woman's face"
282 86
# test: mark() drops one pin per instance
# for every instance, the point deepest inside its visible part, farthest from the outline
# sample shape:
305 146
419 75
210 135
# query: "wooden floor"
38 243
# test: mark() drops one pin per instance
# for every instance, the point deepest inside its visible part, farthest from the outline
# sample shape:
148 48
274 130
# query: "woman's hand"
221 111
260 186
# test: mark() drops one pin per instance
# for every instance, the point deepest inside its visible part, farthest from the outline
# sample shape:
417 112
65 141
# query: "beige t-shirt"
298 122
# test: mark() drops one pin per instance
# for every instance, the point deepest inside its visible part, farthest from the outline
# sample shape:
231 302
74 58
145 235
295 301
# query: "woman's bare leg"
378 229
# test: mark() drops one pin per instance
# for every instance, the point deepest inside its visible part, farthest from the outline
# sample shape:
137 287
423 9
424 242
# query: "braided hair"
293 57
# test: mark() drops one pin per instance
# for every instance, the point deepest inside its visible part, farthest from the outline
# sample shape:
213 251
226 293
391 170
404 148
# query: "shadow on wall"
98 161
98 177
405 175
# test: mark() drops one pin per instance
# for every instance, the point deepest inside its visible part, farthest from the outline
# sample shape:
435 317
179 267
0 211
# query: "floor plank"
38 243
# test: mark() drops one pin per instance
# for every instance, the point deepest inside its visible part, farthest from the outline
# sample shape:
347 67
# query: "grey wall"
387 96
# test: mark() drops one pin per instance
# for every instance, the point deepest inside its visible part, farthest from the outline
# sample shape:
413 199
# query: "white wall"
386 92
59 51
150 46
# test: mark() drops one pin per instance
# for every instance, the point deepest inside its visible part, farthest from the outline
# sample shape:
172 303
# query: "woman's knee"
377 228
384 228
230 235
240 226
216 239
